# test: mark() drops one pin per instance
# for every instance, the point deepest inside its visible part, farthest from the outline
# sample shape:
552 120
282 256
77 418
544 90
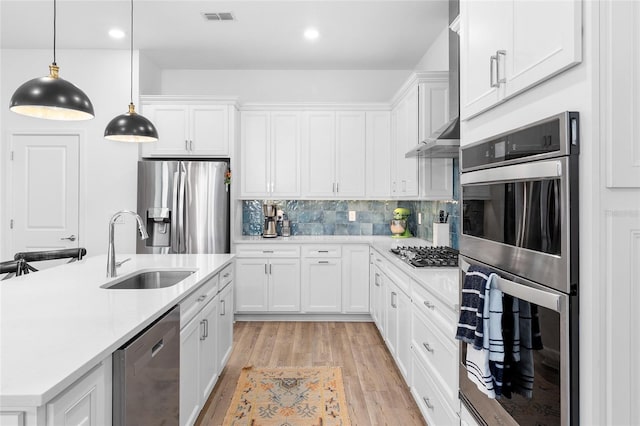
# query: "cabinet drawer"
432 404
440 353
398 277
193 303
267 250
226 276
435 309
321 251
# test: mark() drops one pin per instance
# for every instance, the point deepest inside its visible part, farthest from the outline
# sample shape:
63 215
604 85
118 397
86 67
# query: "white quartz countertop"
56 324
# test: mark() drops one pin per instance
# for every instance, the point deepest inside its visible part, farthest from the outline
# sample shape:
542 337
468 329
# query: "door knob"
70 238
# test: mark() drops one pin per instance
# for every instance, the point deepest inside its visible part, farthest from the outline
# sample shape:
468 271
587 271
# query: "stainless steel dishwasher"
146 375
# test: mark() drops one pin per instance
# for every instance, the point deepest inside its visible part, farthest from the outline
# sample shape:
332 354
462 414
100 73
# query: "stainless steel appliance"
422 256
185 205
270 212
519 218
146 375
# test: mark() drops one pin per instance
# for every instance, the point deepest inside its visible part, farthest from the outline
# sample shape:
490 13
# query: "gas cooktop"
421 257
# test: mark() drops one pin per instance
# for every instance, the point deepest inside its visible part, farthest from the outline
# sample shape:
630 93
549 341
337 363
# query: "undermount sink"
149 279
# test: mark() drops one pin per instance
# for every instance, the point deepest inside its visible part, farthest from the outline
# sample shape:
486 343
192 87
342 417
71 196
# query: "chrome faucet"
111 252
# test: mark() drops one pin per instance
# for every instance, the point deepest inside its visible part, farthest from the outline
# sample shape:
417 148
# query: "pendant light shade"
131 126
52 97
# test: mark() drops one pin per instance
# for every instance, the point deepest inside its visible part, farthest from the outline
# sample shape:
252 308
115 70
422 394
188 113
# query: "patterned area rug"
289 396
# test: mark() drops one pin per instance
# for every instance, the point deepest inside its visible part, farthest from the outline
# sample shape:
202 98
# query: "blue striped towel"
474 290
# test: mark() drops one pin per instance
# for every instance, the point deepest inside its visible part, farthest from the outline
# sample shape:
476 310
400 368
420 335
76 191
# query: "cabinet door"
378 153
321 285
251 285
171 121
540 51
350 154
406 169
254 154
209 129
85 403
285 154
484 29
378 300
433 107
189 372
284 285
355 278
319 154
403 354
208 349
437 178
225 327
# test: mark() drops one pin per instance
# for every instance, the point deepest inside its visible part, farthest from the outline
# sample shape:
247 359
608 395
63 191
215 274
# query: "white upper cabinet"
404 177
270 153
334 154
509 46
188 129
378 140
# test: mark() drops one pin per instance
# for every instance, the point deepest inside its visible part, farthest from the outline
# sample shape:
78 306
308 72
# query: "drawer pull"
226 275
393 296
201 298
323 261
323 251
429 304
427 347
267 251
427 403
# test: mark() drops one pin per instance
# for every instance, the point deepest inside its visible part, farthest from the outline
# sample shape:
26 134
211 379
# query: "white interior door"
45 192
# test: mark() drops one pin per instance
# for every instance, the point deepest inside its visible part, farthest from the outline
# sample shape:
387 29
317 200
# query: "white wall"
150 76
108 169
286 85
437 57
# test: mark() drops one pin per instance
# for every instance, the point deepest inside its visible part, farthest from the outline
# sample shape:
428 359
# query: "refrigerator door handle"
176 213
181 211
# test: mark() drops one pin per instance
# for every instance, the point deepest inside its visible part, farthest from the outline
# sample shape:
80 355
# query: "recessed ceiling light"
311 34
116 33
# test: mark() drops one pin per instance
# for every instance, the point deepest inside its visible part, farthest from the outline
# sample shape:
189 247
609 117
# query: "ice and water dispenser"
159 227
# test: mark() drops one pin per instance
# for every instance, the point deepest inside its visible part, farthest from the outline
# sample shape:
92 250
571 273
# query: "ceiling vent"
219 16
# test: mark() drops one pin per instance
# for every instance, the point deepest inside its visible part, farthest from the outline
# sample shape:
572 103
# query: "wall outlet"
419 218
352 216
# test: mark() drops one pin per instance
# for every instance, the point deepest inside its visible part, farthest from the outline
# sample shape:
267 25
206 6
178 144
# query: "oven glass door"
517 218
548 401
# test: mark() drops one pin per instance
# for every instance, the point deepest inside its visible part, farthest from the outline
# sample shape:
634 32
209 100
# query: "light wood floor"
375 390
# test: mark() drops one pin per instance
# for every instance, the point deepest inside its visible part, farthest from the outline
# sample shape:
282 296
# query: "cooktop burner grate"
421 257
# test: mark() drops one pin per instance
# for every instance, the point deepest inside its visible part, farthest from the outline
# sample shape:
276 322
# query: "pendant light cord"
131 57
54 32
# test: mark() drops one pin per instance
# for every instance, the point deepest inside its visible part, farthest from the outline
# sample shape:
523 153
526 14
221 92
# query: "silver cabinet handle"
429 305
377 280
267 251
201 298
393 295
70 238
191 145
270 265
427 347
427 403
186 145
493 60
337 187
265 269
206 328
226 275
333 187
224 307
500 80
323 261
202 335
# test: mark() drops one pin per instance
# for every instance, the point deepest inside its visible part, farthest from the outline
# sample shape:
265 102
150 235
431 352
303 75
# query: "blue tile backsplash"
331 217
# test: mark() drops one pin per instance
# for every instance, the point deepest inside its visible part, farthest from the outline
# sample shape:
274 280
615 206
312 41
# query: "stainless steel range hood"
445 142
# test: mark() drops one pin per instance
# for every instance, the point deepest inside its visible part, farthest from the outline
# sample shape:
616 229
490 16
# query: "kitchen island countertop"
56 324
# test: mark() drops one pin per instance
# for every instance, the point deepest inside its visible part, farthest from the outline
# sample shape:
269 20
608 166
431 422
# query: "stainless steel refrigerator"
185 205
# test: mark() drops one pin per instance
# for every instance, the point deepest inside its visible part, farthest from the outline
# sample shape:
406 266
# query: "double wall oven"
520 219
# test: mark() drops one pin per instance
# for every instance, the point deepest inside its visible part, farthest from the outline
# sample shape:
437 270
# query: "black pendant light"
131 126
51 97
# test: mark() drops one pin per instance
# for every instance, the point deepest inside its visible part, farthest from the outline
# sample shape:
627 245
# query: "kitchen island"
56 325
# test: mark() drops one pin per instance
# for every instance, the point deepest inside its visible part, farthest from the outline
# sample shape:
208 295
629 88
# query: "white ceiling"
355 35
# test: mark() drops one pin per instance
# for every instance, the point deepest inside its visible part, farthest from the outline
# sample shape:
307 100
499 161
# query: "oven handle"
539 297
537 170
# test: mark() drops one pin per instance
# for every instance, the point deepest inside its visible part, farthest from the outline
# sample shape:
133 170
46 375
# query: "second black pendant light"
131 126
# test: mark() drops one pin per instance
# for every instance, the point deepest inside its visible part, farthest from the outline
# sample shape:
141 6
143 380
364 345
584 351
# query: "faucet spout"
111 251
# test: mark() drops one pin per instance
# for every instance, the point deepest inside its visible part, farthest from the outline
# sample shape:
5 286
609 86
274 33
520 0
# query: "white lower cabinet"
425 391
225 326
398 327
322 285
85 403
268 285
355 278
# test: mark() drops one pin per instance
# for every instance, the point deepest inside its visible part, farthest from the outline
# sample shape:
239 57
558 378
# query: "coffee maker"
270 211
